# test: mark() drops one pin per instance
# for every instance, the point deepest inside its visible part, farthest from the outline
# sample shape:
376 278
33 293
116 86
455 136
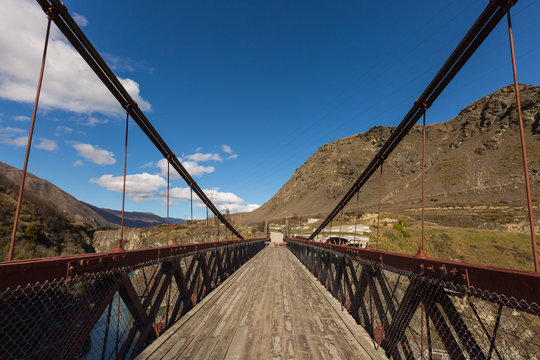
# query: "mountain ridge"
467 158
77 210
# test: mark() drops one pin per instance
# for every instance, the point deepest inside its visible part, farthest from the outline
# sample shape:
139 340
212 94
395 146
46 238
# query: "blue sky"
243 91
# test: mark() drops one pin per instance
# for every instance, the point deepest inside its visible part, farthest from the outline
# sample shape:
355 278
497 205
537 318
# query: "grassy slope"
504 249
43 230
477 246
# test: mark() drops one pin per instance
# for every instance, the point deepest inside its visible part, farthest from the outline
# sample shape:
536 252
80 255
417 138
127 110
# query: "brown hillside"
472 159
69 206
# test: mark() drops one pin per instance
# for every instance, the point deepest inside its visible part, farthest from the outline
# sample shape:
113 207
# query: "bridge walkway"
271 308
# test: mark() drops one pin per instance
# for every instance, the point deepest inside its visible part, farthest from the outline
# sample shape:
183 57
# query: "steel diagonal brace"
459 325
184 297
445 334
403 340
81 322
396 330
143 320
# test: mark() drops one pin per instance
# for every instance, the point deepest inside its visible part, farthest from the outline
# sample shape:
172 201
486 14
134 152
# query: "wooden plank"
272 308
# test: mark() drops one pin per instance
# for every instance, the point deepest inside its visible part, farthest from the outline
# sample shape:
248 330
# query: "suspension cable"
421 252
379 210
523 146
120 245
50 15
168 181
73 33
356 216
483 26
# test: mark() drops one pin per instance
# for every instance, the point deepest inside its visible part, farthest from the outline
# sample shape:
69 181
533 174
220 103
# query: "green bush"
2 230
31 233
403 232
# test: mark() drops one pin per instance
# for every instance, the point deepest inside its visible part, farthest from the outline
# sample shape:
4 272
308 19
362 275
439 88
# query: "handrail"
22 272
519 284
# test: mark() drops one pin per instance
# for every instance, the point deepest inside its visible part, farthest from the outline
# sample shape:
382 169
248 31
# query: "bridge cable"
73 33
379 210
191 222
50 14
339 236
120 245
356 216
168 182
483 26
523 146
421 252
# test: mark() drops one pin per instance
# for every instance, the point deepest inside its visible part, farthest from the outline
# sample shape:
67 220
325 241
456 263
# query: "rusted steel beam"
23 272
445 334
461 328
516 285
78 327
183 294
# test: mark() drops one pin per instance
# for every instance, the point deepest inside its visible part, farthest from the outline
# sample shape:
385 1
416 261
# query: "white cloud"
233 208
13 136
177 193
233 156
77 163
21 118
222 200
81 20
10 131
17 141
119 63
95 154
125 63
226 148
47 144
92 121
69 83
62 130
204 157
192 167
149 164
146 187
162 165
197 170
139 187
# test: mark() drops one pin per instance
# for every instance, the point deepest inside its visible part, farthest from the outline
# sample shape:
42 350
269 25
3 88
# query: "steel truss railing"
418 308
109 305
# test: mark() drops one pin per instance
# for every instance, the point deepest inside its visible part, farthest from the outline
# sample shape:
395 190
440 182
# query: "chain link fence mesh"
413 317
110 314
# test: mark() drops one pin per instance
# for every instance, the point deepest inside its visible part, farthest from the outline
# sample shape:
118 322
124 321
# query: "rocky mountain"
76 210
473 159
133 218
44 230
53 222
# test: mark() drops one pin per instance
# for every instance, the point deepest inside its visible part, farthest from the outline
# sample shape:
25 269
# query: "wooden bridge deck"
271 308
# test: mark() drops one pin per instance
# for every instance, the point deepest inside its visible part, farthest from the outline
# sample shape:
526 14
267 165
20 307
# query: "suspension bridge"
244 298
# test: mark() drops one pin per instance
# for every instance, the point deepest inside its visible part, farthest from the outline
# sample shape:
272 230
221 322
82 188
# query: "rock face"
472 159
